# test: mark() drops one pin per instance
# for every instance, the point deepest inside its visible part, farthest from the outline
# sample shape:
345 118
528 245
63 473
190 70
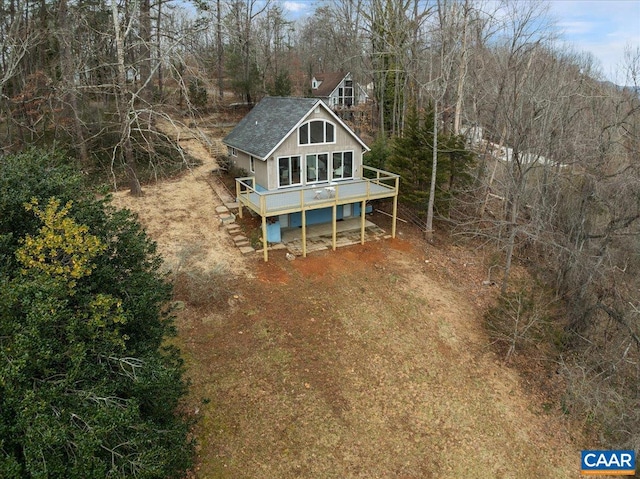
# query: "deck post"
264 239
363 205
304 233
238 199
334 227
395 216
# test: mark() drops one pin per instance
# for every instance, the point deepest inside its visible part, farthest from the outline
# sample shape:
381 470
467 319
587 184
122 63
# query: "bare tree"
20 99
240 23
395 30
68 83
124 102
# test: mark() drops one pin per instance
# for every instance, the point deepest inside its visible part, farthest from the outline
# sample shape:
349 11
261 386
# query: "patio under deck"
382 184
319 236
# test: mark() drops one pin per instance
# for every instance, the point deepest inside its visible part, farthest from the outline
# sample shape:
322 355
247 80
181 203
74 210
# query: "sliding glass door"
317 167
289 171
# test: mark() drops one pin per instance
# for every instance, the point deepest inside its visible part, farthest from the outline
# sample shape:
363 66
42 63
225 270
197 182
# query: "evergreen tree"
412 158
87 388
379 153
281 85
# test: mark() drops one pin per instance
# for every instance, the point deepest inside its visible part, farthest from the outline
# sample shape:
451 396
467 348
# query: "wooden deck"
375 184
291 200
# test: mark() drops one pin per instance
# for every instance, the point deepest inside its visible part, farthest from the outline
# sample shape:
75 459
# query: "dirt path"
365 362
180 214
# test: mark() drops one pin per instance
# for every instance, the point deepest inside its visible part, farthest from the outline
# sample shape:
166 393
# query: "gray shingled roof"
268 123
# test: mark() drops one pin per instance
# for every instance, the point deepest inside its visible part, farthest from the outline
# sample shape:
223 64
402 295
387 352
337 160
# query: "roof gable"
267 124
329 82
272 120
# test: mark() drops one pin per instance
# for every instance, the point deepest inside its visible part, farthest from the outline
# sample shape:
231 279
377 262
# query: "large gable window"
316 132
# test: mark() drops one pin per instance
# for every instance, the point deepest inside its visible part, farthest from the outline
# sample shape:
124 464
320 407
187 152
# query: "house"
338 89
304 166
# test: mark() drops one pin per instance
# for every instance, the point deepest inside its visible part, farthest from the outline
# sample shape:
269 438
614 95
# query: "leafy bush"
197 93
88 388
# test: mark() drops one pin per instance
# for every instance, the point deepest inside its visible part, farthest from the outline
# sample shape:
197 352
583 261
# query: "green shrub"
197 93
88 388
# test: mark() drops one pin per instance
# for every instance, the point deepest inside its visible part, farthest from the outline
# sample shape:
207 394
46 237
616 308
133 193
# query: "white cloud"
294 7
575 27
603 28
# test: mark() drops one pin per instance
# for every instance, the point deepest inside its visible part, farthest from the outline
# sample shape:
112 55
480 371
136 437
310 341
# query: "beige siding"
261 174
344 141
241 161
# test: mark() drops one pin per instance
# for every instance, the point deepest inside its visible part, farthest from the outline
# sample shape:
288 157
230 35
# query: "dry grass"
361 363
344 369
180 216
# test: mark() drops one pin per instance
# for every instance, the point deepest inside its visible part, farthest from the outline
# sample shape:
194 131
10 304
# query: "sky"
601 27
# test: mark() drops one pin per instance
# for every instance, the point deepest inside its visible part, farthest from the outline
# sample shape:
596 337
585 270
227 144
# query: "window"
345 95
289 171
315 132
342 165
317 167
252 164
330 133
232 151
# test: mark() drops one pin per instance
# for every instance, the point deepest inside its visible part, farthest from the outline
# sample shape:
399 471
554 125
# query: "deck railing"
374 184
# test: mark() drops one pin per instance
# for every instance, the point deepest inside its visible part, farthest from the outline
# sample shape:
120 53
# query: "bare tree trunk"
434 169
159 52
145 48
146 77
462 71
511 241
219 50
124 105
68 81
483 207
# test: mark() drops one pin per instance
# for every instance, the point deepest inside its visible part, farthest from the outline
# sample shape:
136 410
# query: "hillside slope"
365 362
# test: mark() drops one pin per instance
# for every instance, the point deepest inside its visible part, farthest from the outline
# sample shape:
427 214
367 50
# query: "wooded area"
554 182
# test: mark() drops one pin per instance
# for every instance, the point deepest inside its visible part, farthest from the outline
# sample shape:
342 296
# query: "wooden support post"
304 233
263 205
264 239
362 218
334 227
238 193
395 216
